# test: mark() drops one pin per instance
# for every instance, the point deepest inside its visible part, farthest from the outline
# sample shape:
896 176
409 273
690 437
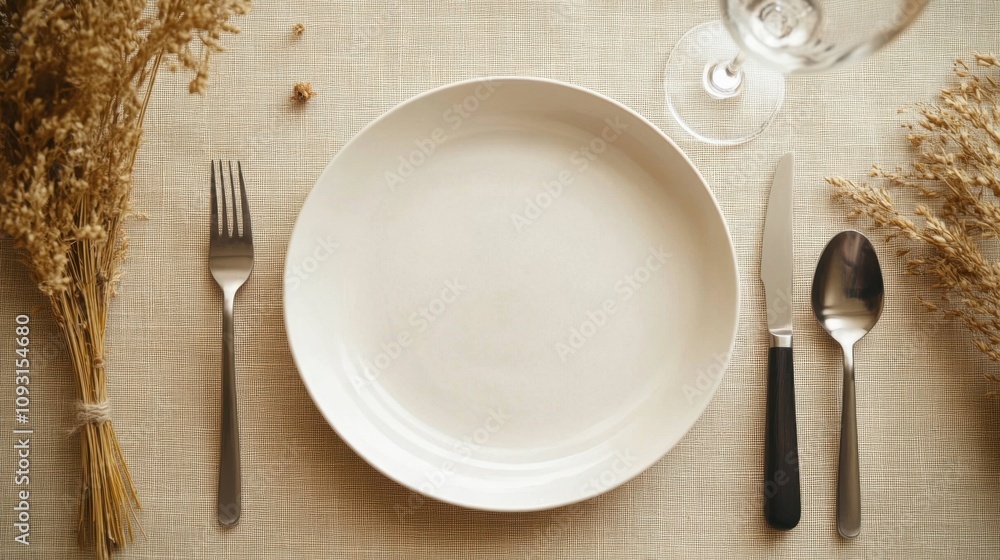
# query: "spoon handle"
782 502
849 473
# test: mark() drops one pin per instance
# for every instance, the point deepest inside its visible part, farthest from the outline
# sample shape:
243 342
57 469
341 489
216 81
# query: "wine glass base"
711 104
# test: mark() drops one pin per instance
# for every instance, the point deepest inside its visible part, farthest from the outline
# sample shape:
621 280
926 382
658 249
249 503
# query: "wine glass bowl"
724 81
802 36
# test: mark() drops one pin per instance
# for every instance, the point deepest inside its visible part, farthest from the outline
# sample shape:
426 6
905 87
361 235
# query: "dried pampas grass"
77 76
955 173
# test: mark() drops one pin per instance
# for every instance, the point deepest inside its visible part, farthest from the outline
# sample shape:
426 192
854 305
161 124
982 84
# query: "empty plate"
511 294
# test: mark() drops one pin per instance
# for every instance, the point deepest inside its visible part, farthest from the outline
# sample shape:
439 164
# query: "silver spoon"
847 295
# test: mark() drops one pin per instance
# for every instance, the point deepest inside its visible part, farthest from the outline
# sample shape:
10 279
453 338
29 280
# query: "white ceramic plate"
511 294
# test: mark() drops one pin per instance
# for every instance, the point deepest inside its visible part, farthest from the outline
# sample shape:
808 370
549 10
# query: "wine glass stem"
736 64
724 79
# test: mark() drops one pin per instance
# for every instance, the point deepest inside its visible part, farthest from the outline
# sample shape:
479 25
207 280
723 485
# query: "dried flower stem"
956 173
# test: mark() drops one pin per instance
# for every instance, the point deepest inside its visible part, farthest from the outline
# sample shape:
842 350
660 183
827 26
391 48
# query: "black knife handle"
782 501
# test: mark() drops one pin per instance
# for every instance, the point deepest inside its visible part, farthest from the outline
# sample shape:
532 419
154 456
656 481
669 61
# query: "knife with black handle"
782 499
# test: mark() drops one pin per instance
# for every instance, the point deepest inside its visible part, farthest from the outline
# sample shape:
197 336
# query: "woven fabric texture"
930 451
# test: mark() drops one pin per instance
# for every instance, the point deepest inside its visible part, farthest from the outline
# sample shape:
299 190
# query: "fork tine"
245 221
225 201
236 204
215 207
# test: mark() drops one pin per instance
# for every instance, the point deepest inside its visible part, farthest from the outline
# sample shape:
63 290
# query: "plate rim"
643 466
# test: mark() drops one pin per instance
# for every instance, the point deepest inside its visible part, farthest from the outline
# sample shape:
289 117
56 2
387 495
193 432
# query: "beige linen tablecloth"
930 451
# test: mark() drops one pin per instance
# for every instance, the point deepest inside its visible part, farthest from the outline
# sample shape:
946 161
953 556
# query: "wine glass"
725 83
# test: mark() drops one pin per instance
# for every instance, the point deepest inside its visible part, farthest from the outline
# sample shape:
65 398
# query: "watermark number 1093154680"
22 430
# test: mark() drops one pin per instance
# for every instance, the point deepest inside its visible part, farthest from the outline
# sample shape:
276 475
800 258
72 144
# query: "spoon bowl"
847 290
847 297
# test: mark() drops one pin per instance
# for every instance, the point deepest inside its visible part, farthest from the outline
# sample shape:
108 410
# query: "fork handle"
229 499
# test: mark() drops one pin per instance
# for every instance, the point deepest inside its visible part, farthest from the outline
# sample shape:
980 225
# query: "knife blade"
782 500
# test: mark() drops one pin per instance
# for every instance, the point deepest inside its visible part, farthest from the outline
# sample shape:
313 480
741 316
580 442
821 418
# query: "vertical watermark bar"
22 428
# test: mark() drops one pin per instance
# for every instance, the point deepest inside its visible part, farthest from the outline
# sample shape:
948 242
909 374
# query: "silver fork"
230 258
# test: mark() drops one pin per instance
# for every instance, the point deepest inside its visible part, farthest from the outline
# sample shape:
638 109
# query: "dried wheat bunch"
955 174
75 80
